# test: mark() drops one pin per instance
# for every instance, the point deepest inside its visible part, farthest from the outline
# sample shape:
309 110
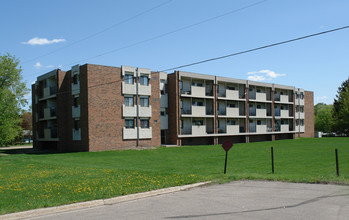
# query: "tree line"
334 118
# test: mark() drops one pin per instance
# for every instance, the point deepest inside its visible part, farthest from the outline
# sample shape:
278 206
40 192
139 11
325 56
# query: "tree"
341 109
323 117
12 91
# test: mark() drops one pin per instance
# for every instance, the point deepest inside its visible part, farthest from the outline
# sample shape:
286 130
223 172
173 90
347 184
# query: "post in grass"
226 146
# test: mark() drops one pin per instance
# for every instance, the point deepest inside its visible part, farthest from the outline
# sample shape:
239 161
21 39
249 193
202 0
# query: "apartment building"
94 107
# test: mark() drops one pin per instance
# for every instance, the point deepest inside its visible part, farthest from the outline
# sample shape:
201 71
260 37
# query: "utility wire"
170 32
102 31
229 55
255 49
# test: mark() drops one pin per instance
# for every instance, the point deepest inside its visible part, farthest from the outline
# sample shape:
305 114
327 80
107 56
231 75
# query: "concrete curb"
81 205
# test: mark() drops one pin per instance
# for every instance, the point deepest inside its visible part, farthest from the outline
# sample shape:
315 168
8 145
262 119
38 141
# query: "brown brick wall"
105 100
308 114
173 109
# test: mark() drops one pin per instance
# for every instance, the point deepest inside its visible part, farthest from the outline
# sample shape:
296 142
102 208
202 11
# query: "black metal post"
337 167
272 159
225 165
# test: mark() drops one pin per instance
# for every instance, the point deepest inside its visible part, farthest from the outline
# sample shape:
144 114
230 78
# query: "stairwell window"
76 101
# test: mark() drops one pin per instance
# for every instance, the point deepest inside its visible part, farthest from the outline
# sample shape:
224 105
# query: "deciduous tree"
12 91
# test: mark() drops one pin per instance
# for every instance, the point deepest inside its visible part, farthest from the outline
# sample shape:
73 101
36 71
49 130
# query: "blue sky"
46 35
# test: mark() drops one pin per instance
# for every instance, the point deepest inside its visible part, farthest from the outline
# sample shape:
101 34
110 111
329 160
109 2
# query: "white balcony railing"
284 128
144 111
232 94
284 113
262 97
284 98
299 115
232 112
197 91
198 130
131 133
198 111
261 129
261 112
232 129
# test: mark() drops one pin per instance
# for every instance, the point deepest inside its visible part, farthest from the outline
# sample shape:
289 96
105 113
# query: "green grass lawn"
29 181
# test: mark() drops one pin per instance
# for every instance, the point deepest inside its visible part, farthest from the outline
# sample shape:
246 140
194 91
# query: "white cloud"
321 98
38 65
263 75
42 41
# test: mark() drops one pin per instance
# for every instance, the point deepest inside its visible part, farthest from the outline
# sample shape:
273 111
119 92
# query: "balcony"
144 111
232 112
299 101
261 97
232 94
284 128
198 111
284 98
49 135
197 91
261 129
49 113
261 113
232 129
299 115
48 92
128 88
131 111
299 128
198 130
144 90
76 111
131 133
77 135
284 113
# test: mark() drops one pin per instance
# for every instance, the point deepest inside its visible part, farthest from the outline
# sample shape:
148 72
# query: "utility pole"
137 108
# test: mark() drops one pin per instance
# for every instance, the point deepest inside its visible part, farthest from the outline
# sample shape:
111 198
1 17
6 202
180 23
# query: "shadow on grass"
11 151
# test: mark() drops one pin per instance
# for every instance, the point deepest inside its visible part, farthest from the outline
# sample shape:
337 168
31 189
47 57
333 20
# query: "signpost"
226 146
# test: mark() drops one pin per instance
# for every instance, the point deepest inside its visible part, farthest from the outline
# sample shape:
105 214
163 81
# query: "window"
181 85
77 124
162 92
231 88
302 122
259 122
259 90
199 84
250 89
76 101
198 103
129 123
259 106
144 80
128 79
302 95
230 105
162 113
231 122
144 123
76 79
181 104
181 124
218 88
198 122
144 101
301 109
128 100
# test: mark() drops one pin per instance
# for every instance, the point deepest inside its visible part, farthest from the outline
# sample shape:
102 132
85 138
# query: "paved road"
236 200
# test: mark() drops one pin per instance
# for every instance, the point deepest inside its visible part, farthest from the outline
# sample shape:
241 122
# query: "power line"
225 56
255 49
102 31
170 32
